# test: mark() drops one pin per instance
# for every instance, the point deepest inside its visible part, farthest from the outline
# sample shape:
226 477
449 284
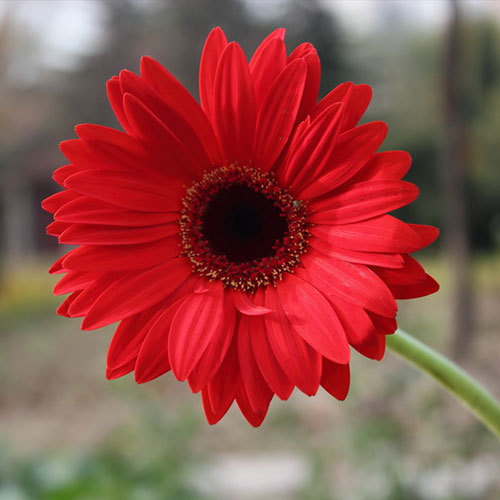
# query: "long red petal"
313 318
212 51
94 234
91 211
278 114
253 417
307 52
135 292
335 379
216 351
362 201
115 97
126 343
105 258
152 358
176 96
259 393
299 360
162 143
271 370
309 159
390 260
352 151
351 282
195 325
266 64
127 190
380 234
392 165
234 114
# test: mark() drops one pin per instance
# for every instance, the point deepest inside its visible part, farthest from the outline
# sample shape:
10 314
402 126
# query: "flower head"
243 244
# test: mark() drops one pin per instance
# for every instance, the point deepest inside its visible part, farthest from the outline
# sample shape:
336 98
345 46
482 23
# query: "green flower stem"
460 384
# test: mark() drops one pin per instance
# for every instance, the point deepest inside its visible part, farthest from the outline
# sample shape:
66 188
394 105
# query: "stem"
460 384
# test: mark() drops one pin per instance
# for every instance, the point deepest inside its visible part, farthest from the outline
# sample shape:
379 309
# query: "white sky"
69 28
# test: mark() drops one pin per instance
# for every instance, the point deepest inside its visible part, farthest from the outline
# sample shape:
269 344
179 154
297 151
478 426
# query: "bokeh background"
67 433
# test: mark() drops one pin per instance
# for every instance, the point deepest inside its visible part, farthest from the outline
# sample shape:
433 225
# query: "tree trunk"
456 203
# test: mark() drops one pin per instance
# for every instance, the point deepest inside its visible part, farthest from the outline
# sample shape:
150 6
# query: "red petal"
335 379
113 150
313 318
390 260
135 292
56 228
161 142
409 282
218 396
93 234
266 64
355 320
352 150
196 324
308 160
386 165
278 114
212 51
258 392
234 112
383 325
172 118
426 287
299 361
92 292
363 201
215 353
78 153
92 211
96 137
254 418
351 282
58 267
177 97
358 102
380 234
63 309
62 173
122 258
152 358
223 387
126 342
373 348
427 234
341 93
54 202
75 281
307 52
115 97
127 190
247 306
273 374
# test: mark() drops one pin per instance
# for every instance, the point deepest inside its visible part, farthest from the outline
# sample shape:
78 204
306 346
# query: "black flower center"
239 226
242 224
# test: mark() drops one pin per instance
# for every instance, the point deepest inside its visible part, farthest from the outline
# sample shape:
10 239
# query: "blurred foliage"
132 465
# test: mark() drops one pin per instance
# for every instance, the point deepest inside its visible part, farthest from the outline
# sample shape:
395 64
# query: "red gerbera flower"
243 244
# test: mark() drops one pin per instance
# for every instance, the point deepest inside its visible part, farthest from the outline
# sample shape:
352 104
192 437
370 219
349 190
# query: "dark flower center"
243 224
239 226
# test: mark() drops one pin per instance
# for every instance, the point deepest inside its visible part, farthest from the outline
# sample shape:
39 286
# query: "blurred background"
67 433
